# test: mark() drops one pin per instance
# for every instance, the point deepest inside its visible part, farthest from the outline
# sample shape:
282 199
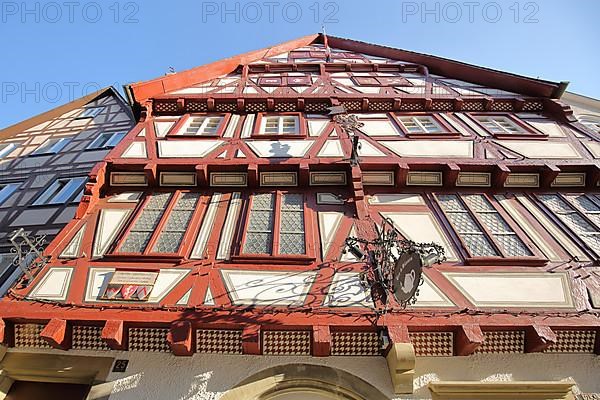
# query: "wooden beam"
538 338
468 339
55 333
251 339
180 338
321 341
112 334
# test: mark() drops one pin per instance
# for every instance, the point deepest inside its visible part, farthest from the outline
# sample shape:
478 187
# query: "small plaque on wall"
130 286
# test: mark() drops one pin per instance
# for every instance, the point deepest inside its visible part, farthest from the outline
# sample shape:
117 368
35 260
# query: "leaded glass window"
170 237
482 229
580 213
287 237
291 231
138 237
259 235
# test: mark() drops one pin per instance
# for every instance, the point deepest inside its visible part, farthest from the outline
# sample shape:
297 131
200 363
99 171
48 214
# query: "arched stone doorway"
303 382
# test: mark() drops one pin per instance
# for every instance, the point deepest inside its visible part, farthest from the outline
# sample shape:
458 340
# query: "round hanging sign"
407 276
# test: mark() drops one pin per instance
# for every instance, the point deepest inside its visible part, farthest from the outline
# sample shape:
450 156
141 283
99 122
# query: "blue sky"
56 51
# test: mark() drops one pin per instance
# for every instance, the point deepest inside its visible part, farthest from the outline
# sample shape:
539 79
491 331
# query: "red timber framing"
338 201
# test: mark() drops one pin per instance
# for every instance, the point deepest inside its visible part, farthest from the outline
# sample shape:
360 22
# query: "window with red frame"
482 229
279 125
160 224
202 125
266 234
425 125
505 126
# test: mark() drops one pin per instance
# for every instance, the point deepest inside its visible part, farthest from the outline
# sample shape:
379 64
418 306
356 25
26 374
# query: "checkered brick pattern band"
433 343
219 341
148 339
355 344
28 335
572 341
88 338
286 342
503 342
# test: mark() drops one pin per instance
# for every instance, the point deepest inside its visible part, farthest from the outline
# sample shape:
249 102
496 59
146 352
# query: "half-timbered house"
209 255
44 164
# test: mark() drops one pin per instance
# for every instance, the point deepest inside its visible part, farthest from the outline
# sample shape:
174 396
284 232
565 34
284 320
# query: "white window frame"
201 131
113 139
417 119
48 148
497 127
7 190
61 191
7 148
91 112
280 123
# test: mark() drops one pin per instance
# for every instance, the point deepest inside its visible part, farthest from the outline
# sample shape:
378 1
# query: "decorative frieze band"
300 342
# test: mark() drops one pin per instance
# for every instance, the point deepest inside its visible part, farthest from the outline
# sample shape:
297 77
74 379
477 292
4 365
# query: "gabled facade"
44 164
216 229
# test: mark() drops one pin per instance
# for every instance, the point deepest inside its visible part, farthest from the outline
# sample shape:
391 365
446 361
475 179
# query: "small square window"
51 146
201 126
280 125
61 191
420 124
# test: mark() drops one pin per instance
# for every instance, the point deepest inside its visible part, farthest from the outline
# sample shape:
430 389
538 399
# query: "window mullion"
203 126
499 125
279 131
420 125
276 223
